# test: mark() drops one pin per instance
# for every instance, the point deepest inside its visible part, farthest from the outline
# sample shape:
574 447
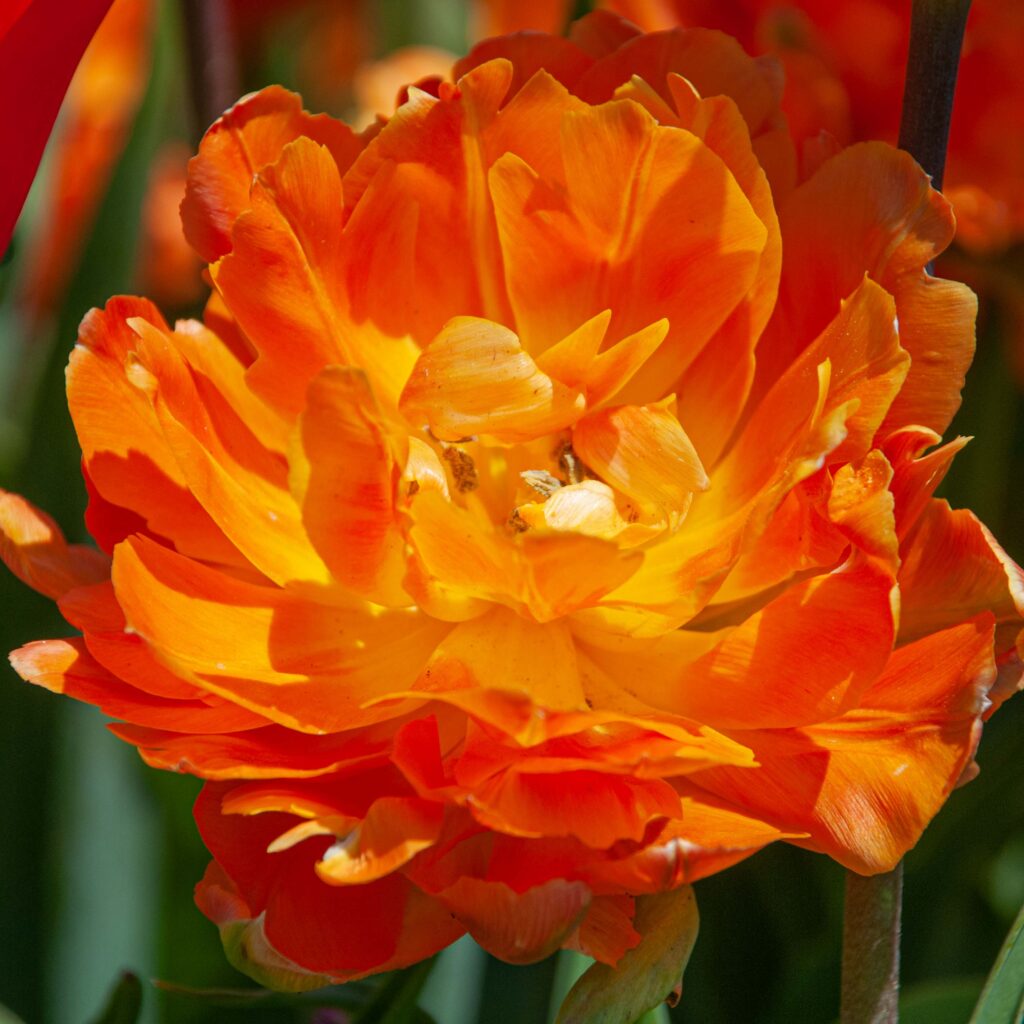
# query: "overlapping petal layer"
543 514
839 85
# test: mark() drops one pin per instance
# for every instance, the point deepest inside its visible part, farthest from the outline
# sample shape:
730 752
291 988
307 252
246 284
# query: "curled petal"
299 913
643 452
34 549
66 666
953 568
135 480
518 927
394 831
475 378
249 137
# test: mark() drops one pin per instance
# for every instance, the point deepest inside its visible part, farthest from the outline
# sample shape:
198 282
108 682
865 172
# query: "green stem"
936 34
871 948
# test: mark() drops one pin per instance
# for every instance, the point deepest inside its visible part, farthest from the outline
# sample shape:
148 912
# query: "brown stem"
936 34
871 948
213 61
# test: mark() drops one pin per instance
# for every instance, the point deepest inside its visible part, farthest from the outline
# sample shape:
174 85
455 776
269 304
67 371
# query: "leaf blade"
1002 998
646 975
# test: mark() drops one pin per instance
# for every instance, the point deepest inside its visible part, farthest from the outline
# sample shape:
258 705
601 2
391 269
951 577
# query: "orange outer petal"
34 549
237 147
305 665
865 785
518 927
136 482
66 666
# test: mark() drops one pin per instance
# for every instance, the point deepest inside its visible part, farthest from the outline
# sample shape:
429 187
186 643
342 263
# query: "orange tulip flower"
844 67
542 514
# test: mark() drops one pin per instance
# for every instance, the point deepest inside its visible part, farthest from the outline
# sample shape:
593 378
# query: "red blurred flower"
36 34
98 111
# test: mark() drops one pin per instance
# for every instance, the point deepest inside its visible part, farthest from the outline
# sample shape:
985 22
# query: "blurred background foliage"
98 855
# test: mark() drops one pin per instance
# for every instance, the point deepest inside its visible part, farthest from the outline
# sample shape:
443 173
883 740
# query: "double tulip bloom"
542 515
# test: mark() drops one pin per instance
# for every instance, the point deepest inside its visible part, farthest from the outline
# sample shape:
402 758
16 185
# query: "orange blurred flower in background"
542 515
844 66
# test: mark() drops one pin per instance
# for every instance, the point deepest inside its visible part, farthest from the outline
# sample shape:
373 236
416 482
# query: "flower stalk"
936 35
872 906
212 59
871 948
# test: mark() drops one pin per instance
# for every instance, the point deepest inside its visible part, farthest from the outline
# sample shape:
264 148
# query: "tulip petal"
300 664
475 378
242 485
712 61
66 666
607 931
283 281
866 784
503 651
394 830
598 808
570 253
550 576
95 611
890 225
418 192
34 549
398 924
798 423
271 752
130 465
952 567
31 101
805 657
643 452
343 475
517 927
249 137
710 836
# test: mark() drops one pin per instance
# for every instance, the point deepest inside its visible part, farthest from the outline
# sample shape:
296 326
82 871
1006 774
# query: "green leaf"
9 1017
248 951
341 997
396 1001
645 976
1002 999
125 1002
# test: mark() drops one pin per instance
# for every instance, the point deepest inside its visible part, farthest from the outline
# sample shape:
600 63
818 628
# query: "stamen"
463 468
543 482
516 523
570 464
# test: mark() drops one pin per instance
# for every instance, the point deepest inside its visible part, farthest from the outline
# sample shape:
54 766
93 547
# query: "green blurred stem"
212 59
871 948
936 34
